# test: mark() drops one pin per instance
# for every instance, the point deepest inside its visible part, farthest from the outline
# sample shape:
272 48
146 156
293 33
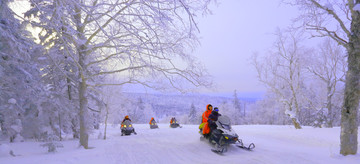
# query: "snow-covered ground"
274 145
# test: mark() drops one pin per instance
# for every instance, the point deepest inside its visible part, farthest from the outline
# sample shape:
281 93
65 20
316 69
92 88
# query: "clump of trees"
81 44
339 22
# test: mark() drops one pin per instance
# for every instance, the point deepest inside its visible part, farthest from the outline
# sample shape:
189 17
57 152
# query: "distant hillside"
174 105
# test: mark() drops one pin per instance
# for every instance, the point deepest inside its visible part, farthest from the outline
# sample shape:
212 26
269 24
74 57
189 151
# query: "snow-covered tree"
340 21
268 111
281 72
193 117
141 41
20 85
238 115
328 65
138 113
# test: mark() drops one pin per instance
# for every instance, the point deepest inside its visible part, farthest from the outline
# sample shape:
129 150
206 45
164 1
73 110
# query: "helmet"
126 116
216 109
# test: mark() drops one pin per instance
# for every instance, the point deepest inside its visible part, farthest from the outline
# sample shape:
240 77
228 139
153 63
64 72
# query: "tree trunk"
349 125
106 118
295 120
329 108
68 88
84 136
60 127
296 123
82 54
74 126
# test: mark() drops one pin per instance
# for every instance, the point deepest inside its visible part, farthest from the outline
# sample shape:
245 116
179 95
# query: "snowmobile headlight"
130 126
124 126
226 137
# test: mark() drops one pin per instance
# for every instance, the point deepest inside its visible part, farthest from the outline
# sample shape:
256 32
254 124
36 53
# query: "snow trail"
274 145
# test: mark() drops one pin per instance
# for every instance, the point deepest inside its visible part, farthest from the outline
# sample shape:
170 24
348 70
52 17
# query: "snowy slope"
274 145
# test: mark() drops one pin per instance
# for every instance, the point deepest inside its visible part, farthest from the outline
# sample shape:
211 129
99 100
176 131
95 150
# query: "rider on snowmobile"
152 120
211 123
126 118
122 123
206 114
213 117
173 121
205 117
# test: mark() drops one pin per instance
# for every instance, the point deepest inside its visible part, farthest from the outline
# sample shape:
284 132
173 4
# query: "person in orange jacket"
126 118
172 120
152 118
206 114
204 121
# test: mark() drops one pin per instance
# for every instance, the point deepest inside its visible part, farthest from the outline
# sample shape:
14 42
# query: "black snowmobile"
153 125
224 135
127 128
175 124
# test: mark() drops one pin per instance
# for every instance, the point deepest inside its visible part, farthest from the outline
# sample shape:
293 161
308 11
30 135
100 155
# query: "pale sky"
230 36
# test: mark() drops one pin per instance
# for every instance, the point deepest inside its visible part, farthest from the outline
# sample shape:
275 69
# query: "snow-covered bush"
52 146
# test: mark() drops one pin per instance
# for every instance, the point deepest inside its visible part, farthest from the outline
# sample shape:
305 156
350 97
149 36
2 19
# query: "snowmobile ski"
217 151
242 146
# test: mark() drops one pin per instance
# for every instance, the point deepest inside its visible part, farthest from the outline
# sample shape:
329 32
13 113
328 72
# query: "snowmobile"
175 124
127 128
224 135
153 125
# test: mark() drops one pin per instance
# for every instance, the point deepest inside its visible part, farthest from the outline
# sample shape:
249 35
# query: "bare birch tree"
340 20
280 71
329 66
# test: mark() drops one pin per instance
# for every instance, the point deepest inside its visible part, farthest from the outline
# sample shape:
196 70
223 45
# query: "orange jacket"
152 118
206 114
206 129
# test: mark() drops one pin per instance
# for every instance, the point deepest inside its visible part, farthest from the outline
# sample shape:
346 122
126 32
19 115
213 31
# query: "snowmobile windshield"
225 122
153 122
127 123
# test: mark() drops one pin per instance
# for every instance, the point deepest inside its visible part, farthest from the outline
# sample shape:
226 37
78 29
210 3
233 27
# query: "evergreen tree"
237 108
193 119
